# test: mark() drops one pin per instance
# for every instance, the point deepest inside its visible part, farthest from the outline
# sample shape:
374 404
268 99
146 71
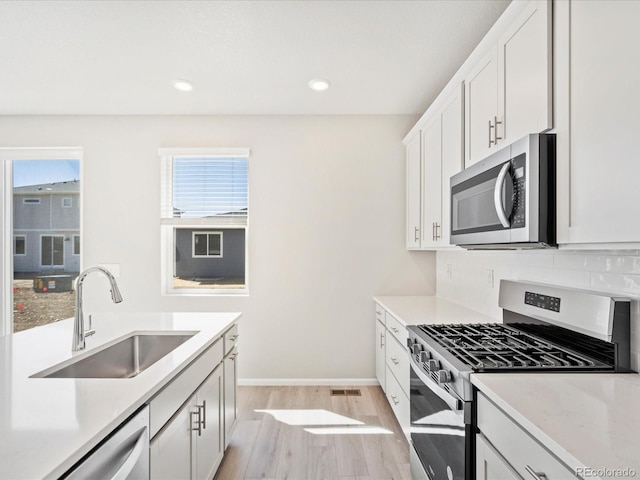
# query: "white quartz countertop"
417 310
588 420
48 424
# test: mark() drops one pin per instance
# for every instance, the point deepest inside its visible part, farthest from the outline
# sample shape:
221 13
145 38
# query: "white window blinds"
209 189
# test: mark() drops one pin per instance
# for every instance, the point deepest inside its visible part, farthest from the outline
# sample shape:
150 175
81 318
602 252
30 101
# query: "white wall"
327 198
464 277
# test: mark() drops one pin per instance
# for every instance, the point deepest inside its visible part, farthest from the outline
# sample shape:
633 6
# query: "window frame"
168 227
73 248
70 202
208 233
24 240
7 157
31 201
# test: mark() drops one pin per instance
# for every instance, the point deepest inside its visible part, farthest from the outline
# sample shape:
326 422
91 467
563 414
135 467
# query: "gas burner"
495 347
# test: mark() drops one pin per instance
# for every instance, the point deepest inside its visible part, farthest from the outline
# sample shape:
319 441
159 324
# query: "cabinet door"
171 450
230 397
380 354
524 81
598 168
481 106
452 155
432 184
209 441
490 465
413 192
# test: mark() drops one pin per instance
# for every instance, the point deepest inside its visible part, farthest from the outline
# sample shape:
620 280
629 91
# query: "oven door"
440 437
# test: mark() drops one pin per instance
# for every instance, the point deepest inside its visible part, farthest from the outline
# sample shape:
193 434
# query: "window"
19 245
204 220
67 202
76 244
36 241
207 244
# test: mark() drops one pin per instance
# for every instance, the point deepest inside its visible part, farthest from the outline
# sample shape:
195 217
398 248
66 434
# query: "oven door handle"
497 195
453 402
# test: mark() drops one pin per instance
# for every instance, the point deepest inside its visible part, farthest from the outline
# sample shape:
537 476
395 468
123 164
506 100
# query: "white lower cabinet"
230 394
506 451
191 419
191 445
392 364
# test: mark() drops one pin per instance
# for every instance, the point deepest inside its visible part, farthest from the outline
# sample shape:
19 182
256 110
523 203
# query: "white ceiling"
243 57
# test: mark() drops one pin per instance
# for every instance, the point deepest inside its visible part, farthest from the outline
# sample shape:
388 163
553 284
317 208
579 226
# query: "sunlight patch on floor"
324 422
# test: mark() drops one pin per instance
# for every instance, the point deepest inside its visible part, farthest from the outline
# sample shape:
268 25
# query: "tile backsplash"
472 278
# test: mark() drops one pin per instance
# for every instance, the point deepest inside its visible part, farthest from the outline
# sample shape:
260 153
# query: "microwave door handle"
497 195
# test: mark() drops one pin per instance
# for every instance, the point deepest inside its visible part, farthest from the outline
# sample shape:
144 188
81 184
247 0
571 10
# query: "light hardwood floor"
307 434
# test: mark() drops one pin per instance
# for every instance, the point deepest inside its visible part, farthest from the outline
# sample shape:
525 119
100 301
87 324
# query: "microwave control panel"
519 213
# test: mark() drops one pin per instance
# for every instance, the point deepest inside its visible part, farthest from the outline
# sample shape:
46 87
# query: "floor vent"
345 393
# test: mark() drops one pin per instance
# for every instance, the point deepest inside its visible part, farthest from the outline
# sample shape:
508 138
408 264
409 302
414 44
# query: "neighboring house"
209 252
46 227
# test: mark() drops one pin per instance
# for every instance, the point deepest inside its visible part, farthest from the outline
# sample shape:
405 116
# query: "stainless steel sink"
124 359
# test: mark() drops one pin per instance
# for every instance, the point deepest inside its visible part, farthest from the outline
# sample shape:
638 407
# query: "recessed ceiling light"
183 85
319 84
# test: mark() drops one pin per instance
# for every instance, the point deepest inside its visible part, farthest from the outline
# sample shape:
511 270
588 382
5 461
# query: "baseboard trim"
306 382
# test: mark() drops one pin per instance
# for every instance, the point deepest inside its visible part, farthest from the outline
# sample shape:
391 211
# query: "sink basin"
123 359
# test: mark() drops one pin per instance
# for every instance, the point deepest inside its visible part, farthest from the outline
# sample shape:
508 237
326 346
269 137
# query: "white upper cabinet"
481 108
508 91
414 200
598 67
431 183
433 156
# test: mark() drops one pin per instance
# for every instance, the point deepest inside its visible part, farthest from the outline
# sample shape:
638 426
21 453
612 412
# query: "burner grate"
487 347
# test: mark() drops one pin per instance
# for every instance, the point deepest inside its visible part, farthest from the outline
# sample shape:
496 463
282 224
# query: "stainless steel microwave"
507 200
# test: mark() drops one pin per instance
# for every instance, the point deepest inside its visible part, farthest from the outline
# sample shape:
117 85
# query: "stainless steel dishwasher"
124 454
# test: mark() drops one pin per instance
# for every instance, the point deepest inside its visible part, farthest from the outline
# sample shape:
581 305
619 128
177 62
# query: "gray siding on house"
231 264
48 214
30 262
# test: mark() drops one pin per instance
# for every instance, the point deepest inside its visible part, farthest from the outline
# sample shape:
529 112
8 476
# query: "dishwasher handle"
136 452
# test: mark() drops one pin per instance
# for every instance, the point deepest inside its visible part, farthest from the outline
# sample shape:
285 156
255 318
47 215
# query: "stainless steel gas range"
545 329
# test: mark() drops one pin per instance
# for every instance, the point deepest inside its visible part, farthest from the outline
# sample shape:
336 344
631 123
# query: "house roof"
69 186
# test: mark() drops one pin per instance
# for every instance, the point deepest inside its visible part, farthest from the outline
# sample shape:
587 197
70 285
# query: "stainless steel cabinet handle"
416 234
491 141
395 400
198 427
204 414
534 474
395 330
496 123
433 232
497 195
233 338
437 237
381 340
395 360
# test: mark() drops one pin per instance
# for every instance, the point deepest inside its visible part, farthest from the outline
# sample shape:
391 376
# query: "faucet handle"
90 331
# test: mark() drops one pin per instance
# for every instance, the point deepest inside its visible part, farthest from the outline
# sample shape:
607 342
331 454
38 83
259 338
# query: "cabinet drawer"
516 446
397 359
399 402
231 338
396 328
168 401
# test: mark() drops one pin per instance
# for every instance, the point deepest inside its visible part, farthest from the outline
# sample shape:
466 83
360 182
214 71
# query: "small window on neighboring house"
76 244
19 245
67 202
207 244
30 201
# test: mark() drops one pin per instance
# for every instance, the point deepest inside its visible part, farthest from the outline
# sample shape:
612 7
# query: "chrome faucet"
79 332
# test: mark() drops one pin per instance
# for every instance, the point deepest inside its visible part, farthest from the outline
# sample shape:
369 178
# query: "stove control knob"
409 342
434 365
424 356
443 377
416 348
